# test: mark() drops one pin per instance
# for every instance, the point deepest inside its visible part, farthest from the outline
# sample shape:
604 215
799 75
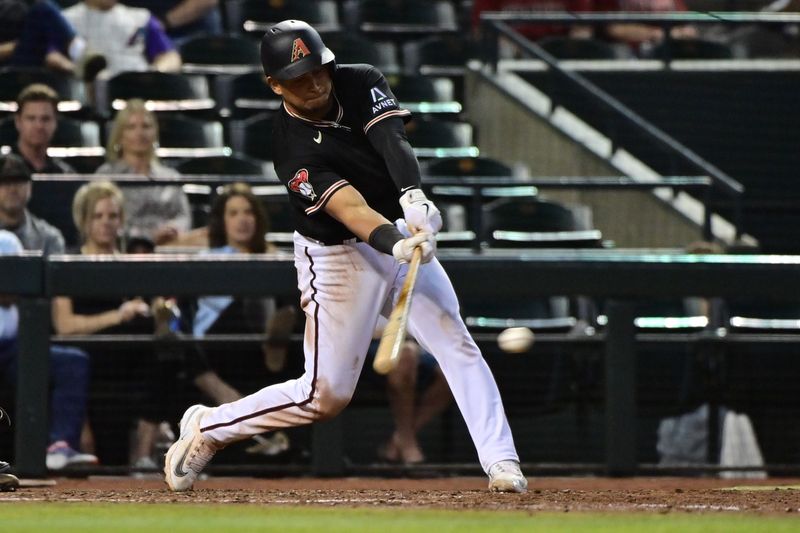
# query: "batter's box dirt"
648 495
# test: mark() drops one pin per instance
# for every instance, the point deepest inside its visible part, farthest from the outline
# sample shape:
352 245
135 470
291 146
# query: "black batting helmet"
292 48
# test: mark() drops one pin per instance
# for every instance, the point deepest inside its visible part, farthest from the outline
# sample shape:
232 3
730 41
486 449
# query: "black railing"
496 24
620 276
471 187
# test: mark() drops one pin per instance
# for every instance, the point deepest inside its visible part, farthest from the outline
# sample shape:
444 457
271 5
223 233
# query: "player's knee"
329 406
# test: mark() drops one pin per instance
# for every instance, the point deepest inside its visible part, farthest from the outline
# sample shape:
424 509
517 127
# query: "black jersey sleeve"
388 137
384 126
378 103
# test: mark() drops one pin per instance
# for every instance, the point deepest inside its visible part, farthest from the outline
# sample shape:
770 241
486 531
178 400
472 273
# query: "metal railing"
623 277
497 24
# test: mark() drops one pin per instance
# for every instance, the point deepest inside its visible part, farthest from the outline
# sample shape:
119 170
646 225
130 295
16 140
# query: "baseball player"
341 150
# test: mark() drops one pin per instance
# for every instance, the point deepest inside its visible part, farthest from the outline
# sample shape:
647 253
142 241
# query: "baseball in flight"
515 340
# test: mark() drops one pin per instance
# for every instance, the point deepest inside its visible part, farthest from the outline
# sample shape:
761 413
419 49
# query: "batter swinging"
339 146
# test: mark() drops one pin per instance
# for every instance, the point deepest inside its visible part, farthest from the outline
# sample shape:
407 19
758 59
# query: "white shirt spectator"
130 38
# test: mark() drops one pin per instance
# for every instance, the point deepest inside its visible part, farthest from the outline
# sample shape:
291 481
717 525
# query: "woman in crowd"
98 213
159 212
237 225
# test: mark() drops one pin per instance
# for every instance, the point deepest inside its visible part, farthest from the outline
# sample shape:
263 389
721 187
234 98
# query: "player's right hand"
403 249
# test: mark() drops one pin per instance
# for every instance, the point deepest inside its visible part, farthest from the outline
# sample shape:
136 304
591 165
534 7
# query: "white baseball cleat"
505 476
187 457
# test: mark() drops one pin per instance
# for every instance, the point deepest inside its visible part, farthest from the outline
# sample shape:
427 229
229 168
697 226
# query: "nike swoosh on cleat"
318 138
178 468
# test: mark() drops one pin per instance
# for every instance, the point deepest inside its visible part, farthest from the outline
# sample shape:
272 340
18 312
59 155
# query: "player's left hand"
420 213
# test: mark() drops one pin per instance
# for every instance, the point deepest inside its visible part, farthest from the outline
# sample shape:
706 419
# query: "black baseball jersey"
314 159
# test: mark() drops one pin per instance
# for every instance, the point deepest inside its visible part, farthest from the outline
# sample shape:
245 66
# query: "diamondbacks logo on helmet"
299 50
299 184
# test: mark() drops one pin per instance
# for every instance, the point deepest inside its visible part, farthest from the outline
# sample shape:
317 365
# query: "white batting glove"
420 213
403 250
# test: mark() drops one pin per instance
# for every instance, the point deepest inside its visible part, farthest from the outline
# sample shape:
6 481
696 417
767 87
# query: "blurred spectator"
36 121
131 39
15 193
159 212
643 37
34 33
237 225
418 392
762 41
530 30
98 214
69 376
184 19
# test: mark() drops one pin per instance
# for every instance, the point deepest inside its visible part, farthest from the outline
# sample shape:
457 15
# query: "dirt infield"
651 495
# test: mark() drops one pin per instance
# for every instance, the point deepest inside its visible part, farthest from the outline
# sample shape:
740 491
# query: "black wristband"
384 237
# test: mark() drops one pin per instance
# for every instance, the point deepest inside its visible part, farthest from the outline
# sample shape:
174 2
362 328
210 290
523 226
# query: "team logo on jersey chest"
299 50
299 184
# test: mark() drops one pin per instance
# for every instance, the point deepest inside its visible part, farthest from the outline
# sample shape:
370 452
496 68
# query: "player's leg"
342 291
437 325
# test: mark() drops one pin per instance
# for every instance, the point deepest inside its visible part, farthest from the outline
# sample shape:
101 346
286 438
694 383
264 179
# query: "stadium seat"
432 137
351 48
463 203
244 95
220 54
253 136
181 136
221 165
255 16
762 317
569 48
162 91
69 89
690 49
468 166
444 55
532 222
425 94
405 18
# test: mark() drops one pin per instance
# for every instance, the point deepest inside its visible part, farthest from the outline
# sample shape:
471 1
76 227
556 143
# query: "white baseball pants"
344 288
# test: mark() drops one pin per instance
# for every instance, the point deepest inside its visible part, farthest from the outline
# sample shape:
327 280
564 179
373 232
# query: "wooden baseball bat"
395 331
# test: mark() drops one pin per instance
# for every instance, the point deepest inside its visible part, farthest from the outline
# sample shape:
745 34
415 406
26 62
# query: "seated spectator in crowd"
160 213
15 193
131 39
69 376
534 31
418 392
36 34
238 224
98 215
761 40
184 19
36 120
643 37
